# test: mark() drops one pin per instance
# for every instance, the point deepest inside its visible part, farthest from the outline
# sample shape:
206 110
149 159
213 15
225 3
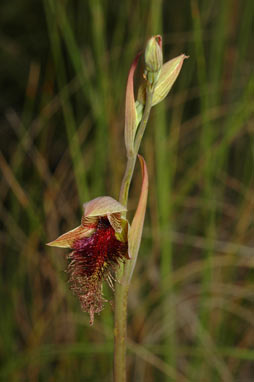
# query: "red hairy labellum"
92 261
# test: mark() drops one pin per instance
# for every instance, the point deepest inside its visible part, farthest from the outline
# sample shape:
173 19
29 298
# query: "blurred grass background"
64 66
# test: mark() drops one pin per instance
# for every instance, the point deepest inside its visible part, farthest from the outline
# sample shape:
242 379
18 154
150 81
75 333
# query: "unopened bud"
169 73
153 58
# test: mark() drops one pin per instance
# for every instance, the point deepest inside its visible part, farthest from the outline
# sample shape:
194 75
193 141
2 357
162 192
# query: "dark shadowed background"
63 72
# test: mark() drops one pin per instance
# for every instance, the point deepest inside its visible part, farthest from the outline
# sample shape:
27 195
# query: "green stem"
124 273
124 192
120 331
143 123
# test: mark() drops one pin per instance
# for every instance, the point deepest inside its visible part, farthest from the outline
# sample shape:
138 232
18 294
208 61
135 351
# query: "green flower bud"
153 59
168 75
153 54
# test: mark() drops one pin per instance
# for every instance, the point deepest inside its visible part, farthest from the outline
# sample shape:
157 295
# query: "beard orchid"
104 240
98 245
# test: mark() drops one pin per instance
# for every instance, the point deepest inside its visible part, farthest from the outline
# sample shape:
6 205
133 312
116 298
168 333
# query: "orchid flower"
98 245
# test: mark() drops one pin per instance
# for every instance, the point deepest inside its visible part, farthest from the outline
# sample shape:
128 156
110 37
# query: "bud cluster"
159 79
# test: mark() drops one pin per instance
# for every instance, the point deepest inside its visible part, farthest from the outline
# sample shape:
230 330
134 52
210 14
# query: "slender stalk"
125 272
120 332
143 123
124 192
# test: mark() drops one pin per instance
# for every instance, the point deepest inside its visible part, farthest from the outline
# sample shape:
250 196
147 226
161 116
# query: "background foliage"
64 69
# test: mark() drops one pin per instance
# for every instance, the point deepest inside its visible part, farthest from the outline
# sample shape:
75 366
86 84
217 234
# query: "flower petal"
102 206
123 235
136 229
67 239
89 221
115 221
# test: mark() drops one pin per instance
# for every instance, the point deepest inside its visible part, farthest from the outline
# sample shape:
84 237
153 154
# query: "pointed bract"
136 229
130 109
